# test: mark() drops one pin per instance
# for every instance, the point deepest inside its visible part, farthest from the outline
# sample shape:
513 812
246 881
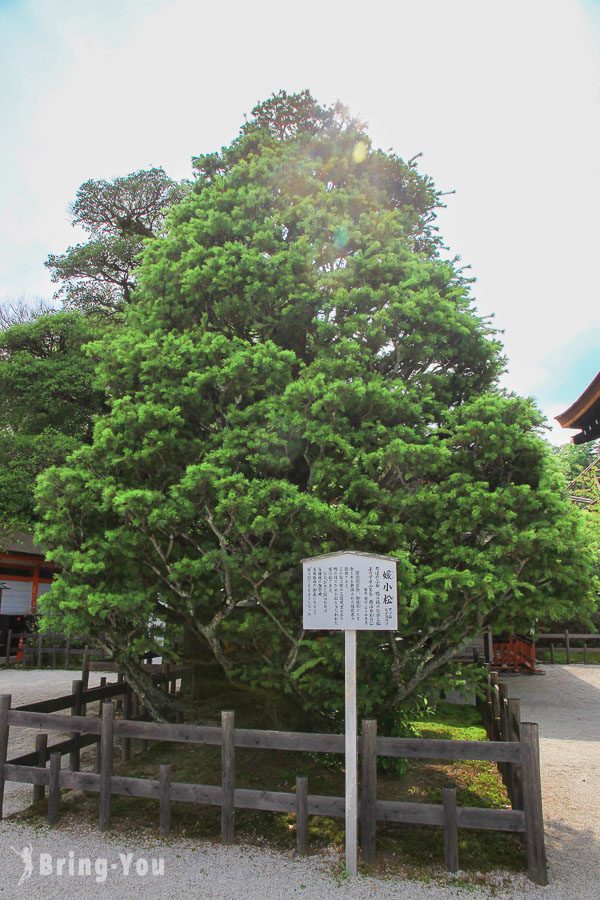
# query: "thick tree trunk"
156 702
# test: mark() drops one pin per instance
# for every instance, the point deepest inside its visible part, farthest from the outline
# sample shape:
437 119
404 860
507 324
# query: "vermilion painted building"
24 577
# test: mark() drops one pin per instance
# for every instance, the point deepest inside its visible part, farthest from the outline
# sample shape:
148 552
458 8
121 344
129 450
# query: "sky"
502 100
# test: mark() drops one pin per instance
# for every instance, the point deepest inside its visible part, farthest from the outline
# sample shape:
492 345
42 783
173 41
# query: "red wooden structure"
24 576
514 654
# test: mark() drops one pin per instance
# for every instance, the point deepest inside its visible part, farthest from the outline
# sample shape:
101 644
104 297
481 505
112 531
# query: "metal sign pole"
351 756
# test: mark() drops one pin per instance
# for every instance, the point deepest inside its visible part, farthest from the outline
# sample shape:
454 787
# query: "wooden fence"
565 639
501 717
30 647
518 758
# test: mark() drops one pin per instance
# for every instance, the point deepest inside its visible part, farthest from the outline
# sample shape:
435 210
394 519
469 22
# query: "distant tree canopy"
47 403
98 276
47 395
301 371
576 463
574 458
22 310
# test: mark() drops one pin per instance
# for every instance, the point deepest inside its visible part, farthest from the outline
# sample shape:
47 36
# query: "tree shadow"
573 859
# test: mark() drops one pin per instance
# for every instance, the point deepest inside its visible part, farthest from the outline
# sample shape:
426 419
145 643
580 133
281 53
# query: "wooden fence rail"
565 639
23 646
501 716
79 698
518 755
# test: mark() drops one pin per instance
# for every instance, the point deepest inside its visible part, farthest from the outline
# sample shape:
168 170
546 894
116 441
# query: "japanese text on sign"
350 590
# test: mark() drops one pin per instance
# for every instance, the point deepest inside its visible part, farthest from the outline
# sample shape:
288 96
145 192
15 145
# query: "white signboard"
350 590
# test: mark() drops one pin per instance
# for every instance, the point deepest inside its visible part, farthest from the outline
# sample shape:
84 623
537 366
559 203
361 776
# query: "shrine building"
584 414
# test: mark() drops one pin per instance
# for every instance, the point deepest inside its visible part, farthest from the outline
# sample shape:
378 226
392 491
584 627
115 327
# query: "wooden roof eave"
573 416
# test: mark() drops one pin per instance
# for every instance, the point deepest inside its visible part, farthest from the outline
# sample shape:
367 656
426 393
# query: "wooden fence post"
39 651
68 653
164 799
4 711
514 733
100 705
227 776
85 674
41 746
532 803
118 700
503 695
8 646
450 830
552 652
75 754
106 764
503 698
301 815
126 742
54 788
368 811
488 718
585 653
85 668
495 696
568 647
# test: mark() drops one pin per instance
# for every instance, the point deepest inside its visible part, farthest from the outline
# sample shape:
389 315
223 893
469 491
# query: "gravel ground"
193 869
566 704
29 686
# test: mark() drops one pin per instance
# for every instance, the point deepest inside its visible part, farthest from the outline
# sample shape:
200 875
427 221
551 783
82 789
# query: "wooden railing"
516 653
517 757
565 639
31 647
501 717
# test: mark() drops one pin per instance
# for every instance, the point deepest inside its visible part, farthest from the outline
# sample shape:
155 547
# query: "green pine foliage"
300 372
47 403
572 459
118 216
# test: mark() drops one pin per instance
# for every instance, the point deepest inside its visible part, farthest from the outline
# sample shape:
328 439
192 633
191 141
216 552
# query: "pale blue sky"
503 100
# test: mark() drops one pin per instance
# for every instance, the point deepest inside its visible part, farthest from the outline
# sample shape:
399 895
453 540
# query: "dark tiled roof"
20 542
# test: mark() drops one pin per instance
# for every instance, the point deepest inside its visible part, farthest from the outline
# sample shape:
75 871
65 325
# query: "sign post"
350 592
351 754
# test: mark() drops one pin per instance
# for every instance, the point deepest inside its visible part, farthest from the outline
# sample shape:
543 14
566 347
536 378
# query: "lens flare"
359 152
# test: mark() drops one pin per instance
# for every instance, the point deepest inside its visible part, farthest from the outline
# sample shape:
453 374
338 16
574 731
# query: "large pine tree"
302 371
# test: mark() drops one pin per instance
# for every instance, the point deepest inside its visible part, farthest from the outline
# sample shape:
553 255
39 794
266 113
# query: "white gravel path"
29 686
566 703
